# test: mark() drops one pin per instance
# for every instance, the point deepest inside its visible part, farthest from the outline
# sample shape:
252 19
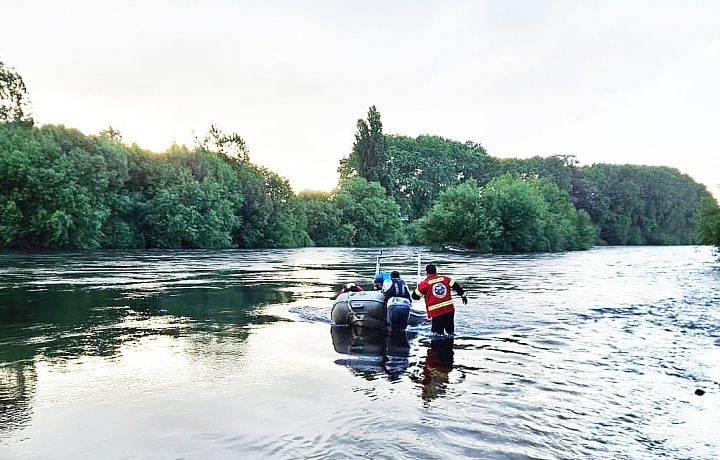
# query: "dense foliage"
60 188
425 166
357 213
709 222
368 217
628 204
14 103
419 169
369 157
632 204
558 169
507 215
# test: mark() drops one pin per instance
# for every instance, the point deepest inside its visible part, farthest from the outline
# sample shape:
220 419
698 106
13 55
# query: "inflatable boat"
367 308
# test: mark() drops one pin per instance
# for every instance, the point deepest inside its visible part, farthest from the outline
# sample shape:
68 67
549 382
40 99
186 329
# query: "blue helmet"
380 279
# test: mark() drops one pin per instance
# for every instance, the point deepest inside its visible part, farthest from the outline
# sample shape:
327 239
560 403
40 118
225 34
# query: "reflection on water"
225 354
17 383
372 351
438 364
67 321
70 324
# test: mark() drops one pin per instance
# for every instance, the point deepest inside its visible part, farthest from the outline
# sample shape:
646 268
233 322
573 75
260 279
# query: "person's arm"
390 292
460 291
405 292
418 292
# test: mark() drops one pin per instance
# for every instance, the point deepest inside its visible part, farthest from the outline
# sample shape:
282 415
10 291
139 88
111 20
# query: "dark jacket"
397 289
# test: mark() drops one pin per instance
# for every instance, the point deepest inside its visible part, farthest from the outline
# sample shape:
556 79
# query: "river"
607 353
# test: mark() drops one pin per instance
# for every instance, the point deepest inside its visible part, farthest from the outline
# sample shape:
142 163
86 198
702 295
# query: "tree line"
454 193
709 223
60 188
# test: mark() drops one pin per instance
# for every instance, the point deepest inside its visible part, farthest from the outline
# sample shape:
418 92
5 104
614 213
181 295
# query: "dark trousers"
443 323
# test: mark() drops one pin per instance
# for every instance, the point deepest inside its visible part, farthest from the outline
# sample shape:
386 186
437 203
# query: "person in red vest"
438 299
348 287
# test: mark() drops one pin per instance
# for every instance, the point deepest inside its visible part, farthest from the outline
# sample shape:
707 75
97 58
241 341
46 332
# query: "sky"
624 82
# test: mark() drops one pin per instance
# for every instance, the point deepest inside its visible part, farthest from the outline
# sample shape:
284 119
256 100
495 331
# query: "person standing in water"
438 299
397 302
395 287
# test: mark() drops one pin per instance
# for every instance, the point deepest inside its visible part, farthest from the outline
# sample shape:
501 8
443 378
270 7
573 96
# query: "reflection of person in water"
438 364
397 350
17 387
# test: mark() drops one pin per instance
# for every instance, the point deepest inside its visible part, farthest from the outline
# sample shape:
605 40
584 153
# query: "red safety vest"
438 299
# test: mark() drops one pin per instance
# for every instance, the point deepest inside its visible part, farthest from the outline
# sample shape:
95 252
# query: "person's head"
395 274
380 279
431 269
351 287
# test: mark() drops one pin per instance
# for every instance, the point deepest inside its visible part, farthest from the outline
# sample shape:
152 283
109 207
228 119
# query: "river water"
231 354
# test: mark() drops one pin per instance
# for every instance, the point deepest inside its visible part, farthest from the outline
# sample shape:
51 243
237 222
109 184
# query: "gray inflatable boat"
366 309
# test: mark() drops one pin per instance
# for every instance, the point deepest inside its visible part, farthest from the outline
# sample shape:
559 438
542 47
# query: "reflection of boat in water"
367 308
372 350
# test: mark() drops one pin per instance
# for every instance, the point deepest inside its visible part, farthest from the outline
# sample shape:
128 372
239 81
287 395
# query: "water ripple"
223 354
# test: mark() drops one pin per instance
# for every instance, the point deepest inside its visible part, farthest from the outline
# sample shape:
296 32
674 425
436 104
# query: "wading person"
438 299
397 302
395 287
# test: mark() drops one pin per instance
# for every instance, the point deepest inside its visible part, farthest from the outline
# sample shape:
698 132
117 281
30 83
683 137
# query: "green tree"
14 103
270 215
369 157
57 183
368 217
62 189
507 215
709 222
565 228
322 217
119 230
231 145
519 212
632 204
555 168
458 218
423 167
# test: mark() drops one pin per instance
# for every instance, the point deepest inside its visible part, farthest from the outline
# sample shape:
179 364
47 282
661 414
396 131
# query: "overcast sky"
608 81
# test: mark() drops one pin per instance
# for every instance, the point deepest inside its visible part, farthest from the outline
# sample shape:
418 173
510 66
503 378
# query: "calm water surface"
231 354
